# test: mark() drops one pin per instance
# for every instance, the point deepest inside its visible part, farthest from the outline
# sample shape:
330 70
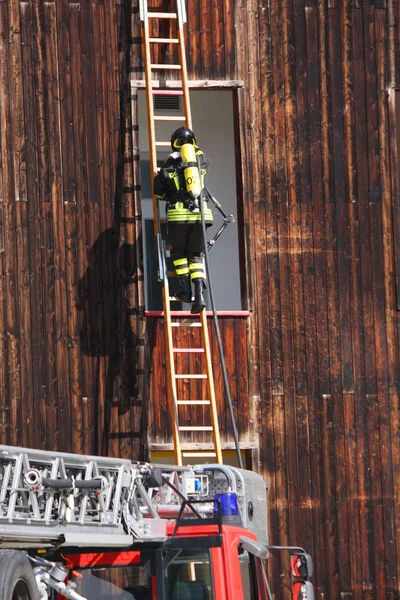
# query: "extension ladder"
179 87
60 499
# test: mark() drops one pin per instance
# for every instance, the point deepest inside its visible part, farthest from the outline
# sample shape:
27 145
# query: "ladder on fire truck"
52 499
152 44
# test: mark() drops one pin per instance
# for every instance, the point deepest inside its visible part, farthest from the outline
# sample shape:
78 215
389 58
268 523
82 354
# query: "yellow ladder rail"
154 88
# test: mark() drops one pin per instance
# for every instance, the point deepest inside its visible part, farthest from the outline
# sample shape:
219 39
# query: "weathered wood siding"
321 231
320 238
318 224
233 334
71 357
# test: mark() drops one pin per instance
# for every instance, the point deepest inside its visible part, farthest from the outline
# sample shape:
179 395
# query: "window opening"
213 123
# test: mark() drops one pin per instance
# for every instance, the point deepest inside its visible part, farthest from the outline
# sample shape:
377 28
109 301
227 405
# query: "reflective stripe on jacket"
180 214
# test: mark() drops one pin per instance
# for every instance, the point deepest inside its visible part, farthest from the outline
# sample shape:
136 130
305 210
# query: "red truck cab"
197 562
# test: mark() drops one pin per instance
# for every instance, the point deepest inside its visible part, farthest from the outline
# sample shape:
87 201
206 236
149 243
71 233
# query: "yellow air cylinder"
191 172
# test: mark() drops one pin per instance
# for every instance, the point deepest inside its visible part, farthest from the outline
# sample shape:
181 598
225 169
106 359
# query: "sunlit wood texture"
71 321
233 334
320 231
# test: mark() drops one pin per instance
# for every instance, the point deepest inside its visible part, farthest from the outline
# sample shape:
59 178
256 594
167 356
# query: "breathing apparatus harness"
193 176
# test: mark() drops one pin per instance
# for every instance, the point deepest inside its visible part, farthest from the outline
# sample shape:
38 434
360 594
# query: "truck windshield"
132 582
189 576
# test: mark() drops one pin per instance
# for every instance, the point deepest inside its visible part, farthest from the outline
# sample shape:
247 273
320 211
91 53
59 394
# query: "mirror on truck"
302 568
302 565
303 590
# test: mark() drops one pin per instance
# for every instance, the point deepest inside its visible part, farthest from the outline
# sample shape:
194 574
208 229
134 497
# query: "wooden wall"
320 237
320 197
234 337
320 213
71 342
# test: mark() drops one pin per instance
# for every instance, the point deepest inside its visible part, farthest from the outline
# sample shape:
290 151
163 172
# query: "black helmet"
181 136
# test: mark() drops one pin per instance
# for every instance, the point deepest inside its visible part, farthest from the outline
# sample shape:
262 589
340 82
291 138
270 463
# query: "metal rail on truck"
59 499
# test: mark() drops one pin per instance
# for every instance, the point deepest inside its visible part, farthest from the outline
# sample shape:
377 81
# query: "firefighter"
179 183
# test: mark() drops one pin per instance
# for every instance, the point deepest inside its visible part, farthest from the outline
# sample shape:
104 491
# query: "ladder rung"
187 350
192 376
167 92
164 40
195 454
180 324
192 402
166 67
161 15
168 118
198 428
163 144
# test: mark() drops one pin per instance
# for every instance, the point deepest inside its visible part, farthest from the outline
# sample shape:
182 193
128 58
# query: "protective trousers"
187 249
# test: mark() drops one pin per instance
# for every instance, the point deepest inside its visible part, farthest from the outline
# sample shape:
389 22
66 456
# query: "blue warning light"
229 504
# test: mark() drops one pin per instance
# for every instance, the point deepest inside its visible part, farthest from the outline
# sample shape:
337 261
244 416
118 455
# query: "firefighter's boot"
185 293
199 302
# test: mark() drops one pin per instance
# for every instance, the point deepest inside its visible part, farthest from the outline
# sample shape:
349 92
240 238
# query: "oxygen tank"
193 180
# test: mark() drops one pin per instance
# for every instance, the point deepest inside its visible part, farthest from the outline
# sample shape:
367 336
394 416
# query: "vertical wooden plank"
50 364
101 357
387 222
81 203
326 102
21 231
394 136
284 201
273 128
315 300
194 58
376 495
34 218
291 61
328 467
3 341
341 197
353 533
281 481
112 92
61 331
245 422
348 102
396 58
10 256
219 31
372 105
70 223
395 450
206 38
365 373
309 435
392 372
231 23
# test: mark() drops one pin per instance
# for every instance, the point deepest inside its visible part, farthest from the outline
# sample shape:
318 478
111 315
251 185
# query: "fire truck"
94 528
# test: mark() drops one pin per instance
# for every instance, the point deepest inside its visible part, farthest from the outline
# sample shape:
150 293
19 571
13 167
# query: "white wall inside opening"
213 124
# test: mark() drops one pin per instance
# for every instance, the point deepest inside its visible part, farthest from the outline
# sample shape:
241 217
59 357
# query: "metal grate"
167 103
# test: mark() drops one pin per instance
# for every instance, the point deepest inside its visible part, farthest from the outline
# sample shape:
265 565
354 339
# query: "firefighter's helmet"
182 136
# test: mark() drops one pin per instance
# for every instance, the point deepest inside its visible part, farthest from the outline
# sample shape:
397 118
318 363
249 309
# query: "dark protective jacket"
169 185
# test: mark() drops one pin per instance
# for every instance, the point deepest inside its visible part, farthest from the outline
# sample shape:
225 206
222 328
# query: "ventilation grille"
167 102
